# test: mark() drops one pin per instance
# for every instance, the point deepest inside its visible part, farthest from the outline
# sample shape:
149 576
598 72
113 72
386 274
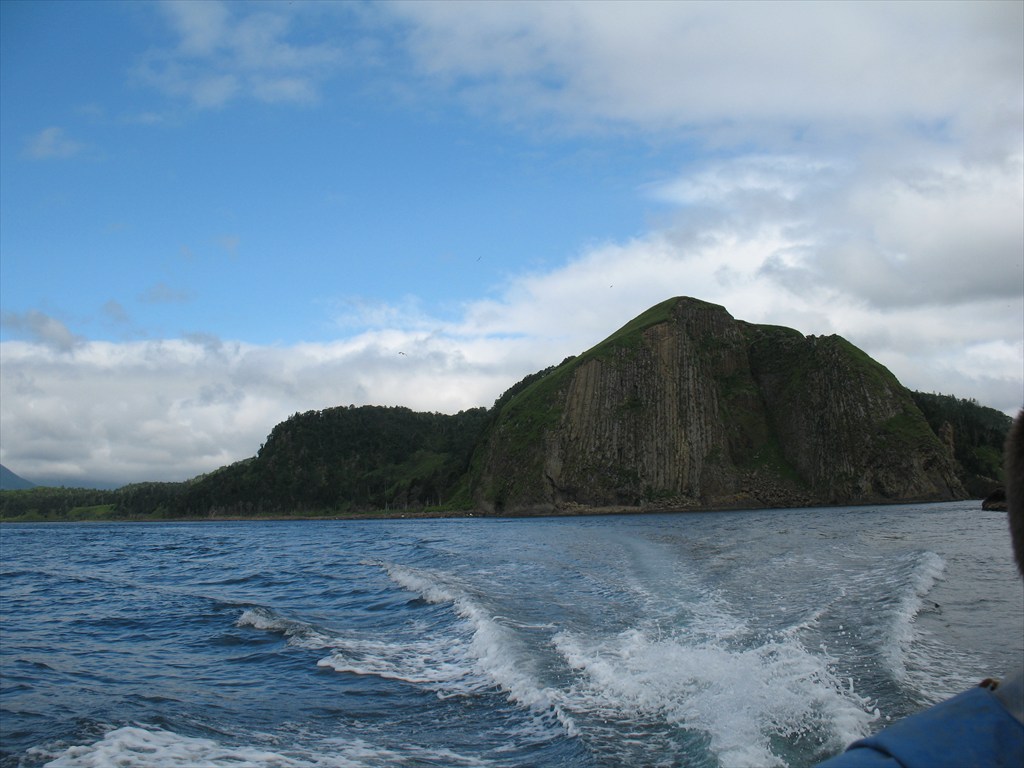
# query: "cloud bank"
80 410
729 71
861 172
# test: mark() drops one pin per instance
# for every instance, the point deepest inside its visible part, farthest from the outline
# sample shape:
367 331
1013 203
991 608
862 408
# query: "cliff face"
686 406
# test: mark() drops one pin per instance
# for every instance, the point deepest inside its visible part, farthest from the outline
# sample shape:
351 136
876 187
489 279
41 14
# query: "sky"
215 215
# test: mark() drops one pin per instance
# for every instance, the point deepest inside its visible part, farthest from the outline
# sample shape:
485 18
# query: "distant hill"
12 482
684 407
347 459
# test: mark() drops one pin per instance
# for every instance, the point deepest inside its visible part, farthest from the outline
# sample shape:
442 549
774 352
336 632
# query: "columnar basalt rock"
687 407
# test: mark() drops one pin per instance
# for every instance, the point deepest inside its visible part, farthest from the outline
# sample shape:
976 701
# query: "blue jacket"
979 727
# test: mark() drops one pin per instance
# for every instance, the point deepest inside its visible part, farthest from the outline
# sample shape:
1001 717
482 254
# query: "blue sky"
213 215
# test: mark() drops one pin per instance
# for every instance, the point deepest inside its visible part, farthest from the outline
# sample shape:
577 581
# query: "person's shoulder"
973 728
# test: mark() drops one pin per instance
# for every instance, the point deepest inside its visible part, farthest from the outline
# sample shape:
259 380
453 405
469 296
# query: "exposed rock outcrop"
995 501
687 407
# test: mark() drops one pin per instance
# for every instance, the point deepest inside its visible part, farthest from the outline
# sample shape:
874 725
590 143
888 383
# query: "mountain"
12 482
686 407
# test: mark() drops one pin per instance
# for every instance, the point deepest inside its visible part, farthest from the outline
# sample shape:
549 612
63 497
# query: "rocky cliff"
686 406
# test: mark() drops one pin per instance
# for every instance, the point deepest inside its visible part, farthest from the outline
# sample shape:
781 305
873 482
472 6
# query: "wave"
152 747
468 658
749 697
434 662
298 633
894 592
919 574
493 650
741 700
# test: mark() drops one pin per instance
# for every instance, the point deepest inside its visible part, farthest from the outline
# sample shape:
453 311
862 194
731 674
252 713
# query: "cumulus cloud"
926 278
734 69
939 232
886 177
867 179
168 410
223 53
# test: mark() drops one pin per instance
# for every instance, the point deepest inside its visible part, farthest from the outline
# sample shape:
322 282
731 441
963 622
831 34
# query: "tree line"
353 460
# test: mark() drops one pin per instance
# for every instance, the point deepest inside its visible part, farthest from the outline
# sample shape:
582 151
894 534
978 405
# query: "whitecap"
148 747
493 649
158 748
741 700
298 633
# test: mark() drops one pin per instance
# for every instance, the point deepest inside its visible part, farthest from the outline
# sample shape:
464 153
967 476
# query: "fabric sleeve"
971 729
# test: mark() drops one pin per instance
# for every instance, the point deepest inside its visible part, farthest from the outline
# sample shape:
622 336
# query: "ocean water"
763 638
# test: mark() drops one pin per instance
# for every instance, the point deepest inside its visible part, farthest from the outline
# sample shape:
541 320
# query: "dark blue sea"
764 638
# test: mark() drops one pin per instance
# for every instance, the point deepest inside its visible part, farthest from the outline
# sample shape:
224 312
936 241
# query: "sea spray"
741 699
152 747
494 647
701 640
437 662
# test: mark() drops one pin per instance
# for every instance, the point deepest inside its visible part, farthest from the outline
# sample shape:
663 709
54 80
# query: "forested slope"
683 407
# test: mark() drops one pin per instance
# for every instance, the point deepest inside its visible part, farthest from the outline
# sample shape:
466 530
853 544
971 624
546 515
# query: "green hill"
683 407
347 459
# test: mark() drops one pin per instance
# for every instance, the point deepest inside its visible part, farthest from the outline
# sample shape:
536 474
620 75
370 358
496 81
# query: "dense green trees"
373 458
347 459
137 501
977 434
338 460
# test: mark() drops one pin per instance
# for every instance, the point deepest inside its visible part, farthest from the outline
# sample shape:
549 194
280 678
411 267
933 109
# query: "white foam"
145 747
739 698
437 663
135 746
493 648
298 633
901 635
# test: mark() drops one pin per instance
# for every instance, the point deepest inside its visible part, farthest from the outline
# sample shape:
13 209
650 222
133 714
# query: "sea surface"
763 638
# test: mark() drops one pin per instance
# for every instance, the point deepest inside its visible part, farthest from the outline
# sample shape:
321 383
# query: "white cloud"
735 69
925 275
51 143
173 409
883 201
225 52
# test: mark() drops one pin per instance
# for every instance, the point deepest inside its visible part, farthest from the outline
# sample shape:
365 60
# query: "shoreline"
574 510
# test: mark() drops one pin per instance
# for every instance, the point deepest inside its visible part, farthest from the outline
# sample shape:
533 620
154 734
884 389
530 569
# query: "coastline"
569 510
